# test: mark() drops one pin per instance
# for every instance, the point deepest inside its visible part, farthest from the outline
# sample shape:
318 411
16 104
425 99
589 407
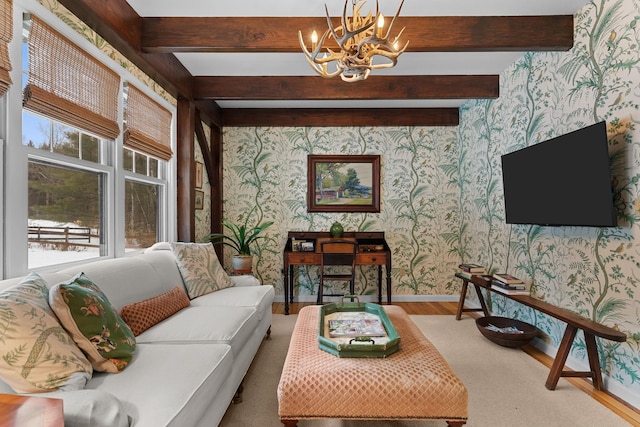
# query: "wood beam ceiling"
375 87
149 43
425 34
340 117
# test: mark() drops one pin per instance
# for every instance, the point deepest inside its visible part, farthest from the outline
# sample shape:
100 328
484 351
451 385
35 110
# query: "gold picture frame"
343 183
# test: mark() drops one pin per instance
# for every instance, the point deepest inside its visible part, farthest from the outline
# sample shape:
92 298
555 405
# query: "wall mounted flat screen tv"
561 181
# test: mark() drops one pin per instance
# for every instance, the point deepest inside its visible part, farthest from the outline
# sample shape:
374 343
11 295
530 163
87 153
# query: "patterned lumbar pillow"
88 316
36 353
142 315
200 268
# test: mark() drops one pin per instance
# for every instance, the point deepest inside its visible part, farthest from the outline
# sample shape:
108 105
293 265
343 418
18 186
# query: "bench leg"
456 423
561 358
289 423
594 361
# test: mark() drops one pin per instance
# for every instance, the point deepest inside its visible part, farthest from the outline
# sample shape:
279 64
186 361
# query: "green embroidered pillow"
36 353
200 268
93 323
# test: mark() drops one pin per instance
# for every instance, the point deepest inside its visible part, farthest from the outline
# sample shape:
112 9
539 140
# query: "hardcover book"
507 278
472 268
510 291
512 287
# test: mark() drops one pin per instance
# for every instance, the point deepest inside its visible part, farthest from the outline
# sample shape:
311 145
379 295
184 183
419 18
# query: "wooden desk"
573 320
28 411
365 256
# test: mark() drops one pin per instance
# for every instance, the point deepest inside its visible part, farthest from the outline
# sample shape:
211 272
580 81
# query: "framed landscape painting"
343 183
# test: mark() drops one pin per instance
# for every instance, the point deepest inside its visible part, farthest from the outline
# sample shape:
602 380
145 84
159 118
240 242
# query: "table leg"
388 268
286 288
379 284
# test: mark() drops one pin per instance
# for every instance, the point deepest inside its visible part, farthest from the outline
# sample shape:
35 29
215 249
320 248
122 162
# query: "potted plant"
241 238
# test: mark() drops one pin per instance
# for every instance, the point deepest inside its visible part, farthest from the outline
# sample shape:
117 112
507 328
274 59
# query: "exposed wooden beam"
425 34
375 87
340 117
121 26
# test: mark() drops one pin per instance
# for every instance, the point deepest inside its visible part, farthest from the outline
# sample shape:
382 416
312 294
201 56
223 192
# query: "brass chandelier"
361 39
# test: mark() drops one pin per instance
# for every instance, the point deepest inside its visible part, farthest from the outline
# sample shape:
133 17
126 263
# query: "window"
83 201
66 219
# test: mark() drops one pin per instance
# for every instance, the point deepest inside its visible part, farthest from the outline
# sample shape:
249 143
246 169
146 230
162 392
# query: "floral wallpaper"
441 189
591 271
267 168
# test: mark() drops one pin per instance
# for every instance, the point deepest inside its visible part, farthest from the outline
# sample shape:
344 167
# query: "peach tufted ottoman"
415 383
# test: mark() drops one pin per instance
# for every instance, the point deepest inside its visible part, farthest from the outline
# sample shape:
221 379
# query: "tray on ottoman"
357 345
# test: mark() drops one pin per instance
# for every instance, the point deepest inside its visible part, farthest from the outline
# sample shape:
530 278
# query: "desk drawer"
304 258
376 258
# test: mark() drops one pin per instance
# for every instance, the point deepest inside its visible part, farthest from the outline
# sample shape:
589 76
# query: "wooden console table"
367 255
29 411
574 322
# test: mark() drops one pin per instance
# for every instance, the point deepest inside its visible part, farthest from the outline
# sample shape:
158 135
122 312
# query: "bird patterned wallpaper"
441 188
591 271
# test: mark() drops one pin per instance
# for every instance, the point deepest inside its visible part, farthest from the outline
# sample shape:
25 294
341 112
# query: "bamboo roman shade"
67 84
6 34
147 125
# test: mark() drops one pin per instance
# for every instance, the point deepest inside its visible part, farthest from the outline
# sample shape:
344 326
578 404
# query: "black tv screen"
562 181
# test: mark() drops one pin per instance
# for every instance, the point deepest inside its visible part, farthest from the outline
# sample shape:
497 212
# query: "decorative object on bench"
505 331
93 323
362 345
29 334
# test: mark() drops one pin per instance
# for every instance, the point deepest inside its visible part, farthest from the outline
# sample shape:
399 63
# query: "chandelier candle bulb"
314 39
381 25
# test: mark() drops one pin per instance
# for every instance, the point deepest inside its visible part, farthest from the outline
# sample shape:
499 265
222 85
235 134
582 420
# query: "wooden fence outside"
63 236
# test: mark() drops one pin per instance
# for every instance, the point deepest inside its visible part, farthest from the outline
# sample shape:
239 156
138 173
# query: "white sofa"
187 368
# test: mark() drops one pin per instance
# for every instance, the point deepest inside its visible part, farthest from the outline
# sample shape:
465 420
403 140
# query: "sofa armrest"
245 280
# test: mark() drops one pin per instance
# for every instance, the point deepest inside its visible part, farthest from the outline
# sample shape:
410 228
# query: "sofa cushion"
200 268
141 315
258 297
37 354
169 385
221 325
94 324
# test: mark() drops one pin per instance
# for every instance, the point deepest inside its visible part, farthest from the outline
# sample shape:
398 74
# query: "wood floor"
624 410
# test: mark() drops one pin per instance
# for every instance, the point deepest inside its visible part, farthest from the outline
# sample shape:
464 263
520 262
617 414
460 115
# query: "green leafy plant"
241 236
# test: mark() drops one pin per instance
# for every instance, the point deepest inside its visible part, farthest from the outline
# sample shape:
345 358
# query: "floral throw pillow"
200 268
36 353
88 316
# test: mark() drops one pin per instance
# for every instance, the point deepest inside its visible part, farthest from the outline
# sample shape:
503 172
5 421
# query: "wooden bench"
574 322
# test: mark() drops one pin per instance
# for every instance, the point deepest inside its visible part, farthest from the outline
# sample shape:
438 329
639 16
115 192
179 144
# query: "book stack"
468 270
508 284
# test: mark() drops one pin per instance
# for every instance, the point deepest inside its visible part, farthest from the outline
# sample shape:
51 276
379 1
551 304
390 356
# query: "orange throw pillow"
142 315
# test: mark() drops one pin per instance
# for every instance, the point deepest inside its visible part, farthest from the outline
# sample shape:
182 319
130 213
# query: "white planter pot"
242 264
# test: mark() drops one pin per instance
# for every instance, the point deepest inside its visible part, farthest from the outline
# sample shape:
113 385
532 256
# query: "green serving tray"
362 349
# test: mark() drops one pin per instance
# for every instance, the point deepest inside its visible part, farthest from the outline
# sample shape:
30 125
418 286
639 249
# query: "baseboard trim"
373 298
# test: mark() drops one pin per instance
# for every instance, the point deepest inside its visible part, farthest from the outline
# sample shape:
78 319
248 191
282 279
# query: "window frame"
13 239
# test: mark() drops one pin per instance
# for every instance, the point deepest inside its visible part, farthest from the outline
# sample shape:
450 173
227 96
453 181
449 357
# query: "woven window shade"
148 125
67 84
6 34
